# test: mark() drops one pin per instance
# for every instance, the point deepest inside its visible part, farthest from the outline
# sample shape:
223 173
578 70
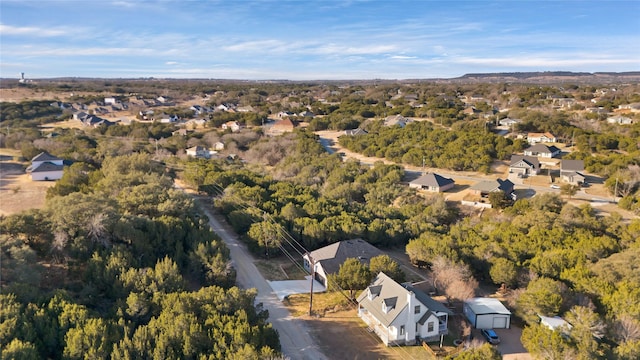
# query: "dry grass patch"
323 303
277 269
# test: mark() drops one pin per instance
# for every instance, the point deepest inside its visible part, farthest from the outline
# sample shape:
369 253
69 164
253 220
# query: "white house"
487 313
234 126
620 120
327 260
555 323
547 137
400 314
199 152
572 171
542 150
524 165
45 166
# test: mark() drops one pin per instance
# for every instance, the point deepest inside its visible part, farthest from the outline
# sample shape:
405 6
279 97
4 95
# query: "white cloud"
33 31
171 63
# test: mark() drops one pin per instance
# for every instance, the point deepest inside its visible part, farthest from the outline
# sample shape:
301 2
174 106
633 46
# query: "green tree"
19 350
482 352
569 190
543 296
385 264
352 275
587 332
504 271
546 343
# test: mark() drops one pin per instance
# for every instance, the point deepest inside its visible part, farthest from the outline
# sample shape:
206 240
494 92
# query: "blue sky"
312 40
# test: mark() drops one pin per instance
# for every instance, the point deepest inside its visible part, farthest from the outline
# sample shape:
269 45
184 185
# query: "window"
417 328
402 330
430 326
417 309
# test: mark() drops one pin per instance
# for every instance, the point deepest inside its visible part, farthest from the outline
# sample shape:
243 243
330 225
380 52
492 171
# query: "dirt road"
294 336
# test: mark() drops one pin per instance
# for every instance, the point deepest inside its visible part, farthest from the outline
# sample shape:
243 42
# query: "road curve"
294 336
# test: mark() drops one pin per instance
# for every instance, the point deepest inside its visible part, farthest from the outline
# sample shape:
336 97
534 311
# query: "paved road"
412 172
294 336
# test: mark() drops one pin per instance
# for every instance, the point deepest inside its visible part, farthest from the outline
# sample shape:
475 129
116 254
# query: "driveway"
295 340
283 288
510 345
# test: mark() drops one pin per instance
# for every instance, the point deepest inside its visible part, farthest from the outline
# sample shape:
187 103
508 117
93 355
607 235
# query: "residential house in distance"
355 132
45 166
400 314
484 188
542 150
234 126
508 122
620 120
524 166
398 120
572 171
328 259
199 152
432 182
535 138
218 146
280 127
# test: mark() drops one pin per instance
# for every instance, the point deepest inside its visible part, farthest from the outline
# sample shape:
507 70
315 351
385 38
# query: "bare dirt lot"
17 191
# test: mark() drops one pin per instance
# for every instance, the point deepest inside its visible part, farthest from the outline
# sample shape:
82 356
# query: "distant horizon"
314 40
498 73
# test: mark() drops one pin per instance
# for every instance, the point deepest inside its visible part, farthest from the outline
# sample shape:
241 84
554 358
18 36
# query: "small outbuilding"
487 313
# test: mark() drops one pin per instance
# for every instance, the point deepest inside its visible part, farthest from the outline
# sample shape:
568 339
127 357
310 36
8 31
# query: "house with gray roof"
572 171
542 150
355 132
45 166
400 314
523 165
484 188
432 182
328 259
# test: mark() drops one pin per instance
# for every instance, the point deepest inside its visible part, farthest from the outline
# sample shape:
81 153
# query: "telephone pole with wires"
312 265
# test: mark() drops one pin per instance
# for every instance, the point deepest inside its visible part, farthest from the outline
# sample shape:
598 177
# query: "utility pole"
312 264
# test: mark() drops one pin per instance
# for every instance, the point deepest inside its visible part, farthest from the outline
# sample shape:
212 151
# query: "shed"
487 313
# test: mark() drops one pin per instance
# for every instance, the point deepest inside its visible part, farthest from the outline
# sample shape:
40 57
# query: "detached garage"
487 313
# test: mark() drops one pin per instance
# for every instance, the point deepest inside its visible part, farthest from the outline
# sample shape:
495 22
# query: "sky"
314 40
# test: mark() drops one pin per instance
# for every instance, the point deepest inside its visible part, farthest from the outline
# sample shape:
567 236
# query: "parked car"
491 336
554 186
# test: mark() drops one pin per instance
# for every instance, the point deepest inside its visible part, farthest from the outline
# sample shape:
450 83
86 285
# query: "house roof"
554 322
432 179
487 306
284 123
538 135
426 300
357 131
493 185
532 161
572 165
395 297
45 156
47 166
542 148
332 256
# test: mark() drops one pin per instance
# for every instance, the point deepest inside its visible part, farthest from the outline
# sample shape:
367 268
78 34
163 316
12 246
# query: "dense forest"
120 264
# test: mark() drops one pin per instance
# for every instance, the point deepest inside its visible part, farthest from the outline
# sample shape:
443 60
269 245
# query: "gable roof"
532 161
47 166
395 297
539 135
390 293
332 256
493 185
354 132
572 165
542 148
284 123
487 306
45 156
432 179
